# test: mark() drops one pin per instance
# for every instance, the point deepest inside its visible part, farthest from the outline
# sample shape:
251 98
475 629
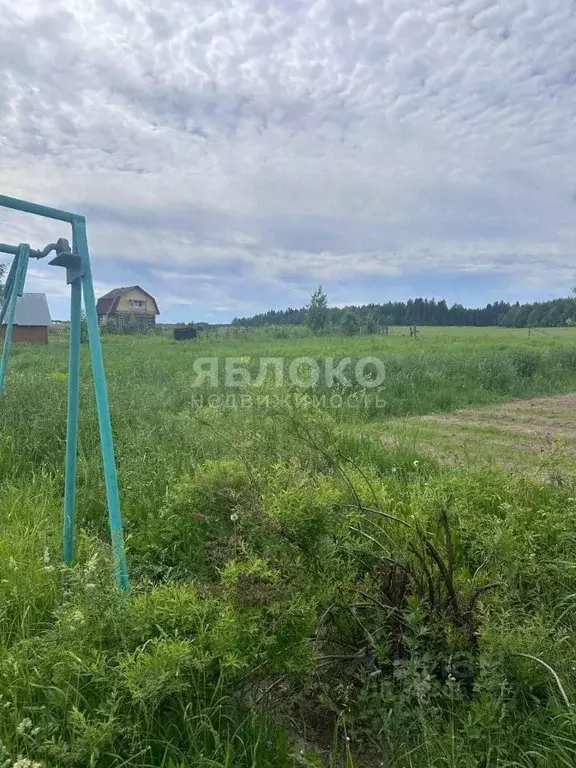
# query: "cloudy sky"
230 155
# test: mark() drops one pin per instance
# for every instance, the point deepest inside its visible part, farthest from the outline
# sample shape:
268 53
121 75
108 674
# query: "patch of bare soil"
542 419
535 437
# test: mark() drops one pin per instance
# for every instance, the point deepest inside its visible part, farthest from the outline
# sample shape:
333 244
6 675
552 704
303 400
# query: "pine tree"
317 310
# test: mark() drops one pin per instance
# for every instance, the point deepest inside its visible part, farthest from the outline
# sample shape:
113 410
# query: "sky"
232 155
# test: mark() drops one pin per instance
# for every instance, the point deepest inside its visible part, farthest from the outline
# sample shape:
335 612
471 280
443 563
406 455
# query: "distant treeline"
429 312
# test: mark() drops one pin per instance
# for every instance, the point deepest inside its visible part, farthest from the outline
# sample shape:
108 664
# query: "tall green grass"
301 595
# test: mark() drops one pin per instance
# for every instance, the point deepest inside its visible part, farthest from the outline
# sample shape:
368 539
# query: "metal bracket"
72 262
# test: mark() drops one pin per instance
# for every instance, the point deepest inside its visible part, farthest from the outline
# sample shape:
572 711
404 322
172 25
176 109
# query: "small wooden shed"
31 320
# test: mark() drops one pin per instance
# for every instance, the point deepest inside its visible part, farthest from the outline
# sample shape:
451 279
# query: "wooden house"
128 307
31 320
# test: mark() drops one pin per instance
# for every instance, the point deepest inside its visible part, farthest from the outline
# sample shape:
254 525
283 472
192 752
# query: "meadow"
303 591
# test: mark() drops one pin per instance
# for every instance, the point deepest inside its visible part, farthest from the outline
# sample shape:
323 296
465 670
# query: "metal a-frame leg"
72 424
8 288
15 289
103 409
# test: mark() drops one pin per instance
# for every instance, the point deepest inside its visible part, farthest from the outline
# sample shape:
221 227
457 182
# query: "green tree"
350 324
317 310
534 318
371 324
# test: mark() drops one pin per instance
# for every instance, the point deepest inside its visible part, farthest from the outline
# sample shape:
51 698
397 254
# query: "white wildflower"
76 619
233 517
91 565
24 762
416 462
48 567
24 725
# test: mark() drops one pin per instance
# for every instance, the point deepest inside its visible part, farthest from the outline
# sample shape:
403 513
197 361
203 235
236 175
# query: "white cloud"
336 140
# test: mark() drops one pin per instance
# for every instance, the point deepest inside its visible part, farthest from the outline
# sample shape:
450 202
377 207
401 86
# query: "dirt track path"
535 436
542 417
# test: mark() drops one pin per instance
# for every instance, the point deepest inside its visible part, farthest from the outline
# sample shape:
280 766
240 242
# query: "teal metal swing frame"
76 261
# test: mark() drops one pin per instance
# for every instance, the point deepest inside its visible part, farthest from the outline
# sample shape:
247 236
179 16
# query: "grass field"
389 582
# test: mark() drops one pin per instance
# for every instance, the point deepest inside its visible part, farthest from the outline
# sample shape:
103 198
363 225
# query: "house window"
137 303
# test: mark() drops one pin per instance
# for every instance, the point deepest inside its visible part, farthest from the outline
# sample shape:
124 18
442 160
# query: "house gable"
132 300
136 301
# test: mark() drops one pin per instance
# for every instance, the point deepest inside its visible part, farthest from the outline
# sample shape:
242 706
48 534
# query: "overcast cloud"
232 155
